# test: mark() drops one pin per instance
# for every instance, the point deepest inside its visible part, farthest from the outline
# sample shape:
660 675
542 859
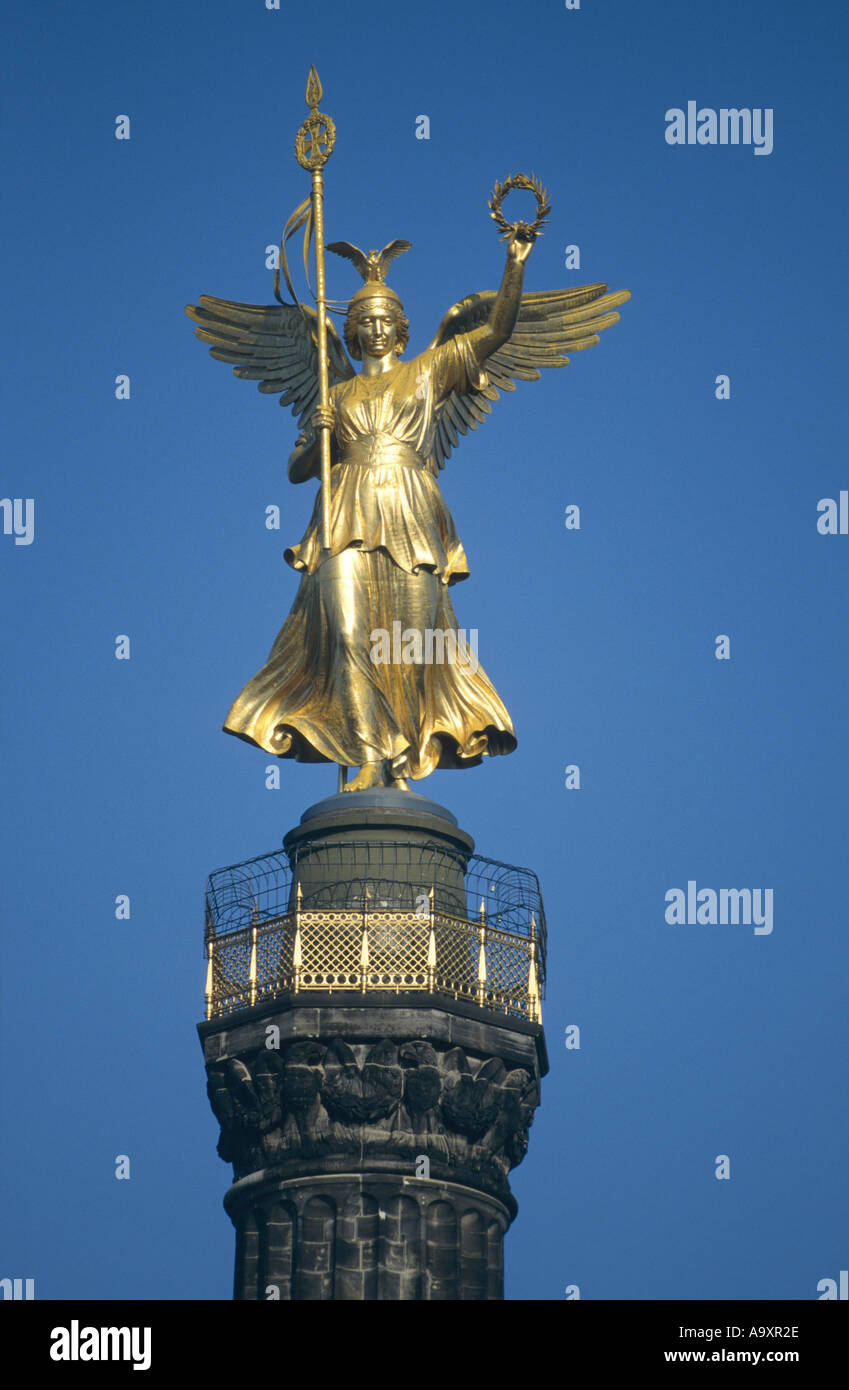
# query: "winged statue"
370 670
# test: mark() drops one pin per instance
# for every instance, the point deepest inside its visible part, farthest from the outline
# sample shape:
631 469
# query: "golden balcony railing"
369 950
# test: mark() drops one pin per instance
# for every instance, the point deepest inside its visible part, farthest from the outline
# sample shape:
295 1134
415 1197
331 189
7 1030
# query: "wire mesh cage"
375 914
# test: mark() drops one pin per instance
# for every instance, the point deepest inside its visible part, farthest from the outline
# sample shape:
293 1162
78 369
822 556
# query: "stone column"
371 1148
372 1110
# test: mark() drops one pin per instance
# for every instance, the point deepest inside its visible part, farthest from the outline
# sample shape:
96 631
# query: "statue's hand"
520 245
324 418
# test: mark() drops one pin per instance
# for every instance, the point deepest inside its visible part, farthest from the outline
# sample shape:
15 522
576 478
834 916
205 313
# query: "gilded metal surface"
499 193
381 549
374 950
313 148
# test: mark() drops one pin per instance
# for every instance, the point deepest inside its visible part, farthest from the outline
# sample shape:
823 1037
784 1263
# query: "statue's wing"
275 345
549 325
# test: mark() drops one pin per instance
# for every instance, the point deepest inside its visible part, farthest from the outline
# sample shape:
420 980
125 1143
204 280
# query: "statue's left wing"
275 345
549 325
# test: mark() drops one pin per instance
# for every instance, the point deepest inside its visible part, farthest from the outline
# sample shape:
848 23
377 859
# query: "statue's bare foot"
369 775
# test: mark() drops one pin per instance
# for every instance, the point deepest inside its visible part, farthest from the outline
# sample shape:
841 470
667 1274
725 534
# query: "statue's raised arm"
541 328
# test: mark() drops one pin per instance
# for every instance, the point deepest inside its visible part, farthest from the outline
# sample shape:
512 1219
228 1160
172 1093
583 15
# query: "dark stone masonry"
371 1137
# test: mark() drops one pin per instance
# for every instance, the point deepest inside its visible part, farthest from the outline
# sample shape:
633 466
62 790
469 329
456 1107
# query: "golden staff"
313 147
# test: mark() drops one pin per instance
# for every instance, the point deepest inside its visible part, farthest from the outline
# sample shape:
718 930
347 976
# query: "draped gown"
324 694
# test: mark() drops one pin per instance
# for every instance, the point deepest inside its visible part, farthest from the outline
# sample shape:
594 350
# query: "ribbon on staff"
301 217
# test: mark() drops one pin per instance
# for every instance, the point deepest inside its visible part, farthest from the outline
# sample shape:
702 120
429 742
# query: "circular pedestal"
381 848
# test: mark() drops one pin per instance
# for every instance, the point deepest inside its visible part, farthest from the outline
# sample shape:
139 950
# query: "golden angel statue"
334 687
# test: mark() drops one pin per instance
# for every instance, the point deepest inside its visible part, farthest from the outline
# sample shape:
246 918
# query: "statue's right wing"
275 345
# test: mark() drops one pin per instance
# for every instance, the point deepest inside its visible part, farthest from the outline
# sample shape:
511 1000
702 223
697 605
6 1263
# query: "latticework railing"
336 951
476 934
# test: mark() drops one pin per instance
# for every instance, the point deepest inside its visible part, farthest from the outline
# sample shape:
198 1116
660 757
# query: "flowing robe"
336 686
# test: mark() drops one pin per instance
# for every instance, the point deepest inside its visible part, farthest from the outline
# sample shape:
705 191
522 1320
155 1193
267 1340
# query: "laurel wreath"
527 231
318 126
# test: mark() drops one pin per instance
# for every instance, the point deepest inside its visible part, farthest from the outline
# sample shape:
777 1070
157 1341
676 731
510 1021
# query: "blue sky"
698 518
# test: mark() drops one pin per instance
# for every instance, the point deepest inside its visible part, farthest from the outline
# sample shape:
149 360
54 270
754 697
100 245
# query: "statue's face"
377 329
